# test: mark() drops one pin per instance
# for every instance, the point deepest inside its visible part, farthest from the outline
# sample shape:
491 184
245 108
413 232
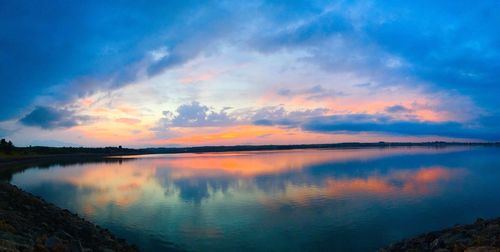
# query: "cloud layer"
287 64
357 123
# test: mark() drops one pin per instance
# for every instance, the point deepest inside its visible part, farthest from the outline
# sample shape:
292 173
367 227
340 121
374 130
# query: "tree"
3 145
9 148
6 147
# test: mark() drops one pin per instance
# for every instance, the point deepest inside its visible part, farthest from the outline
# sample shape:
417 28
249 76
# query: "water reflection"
308 199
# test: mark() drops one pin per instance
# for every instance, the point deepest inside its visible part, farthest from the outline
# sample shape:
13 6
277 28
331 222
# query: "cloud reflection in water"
218 200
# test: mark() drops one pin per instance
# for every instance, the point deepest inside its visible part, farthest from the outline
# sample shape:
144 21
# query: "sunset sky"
183 73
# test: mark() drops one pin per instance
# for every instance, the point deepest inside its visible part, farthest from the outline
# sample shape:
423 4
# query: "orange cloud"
358 104
127 109
244 132
129 121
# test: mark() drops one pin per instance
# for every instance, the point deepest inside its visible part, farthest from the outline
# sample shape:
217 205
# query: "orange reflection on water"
432 174
419 182
149 178
106 183
249 164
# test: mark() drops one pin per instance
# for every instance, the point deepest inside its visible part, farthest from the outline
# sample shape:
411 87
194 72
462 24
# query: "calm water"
307 200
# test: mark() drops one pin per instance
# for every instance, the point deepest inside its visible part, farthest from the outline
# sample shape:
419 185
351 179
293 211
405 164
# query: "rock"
442 250
483 235
437 243
458 247
106 250
6 245
54 243
76 246
30 224
482 249
63 235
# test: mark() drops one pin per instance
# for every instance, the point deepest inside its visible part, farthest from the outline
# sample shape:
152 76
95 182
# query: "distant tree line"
78 150
6 146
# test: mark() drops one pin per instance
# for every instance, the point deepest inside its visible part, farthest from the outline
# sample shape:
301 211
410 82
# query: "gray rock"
76 246
437 243
53 242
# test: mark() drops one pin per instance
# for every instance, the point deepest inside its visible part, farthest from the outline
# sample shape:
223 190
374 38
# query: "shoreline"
10 166
29 223
39 153
481 236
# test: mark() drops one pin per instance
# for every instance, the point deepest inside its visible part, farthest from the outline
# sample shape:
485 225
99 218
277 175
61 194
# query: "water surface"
300 200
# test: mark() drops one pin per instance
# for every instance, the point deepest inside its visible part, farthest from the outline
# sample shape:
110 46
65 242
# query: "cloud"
310 25
312 93
195 114
52 118
4 132
356 123
66 50
449 50
409 43
129 121
277 115
397 109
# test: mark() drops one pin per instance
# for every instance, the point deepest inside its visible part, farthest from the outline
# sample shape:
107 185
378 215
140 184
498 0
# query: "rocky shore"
28 223
482 236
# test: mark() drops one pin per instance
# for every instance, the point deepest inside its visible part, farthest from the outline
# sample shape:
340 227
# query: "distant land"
14 158
17 153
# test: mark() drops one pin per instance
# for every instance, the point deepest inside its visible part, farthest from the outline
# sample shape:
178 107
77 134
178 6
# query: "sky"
192 73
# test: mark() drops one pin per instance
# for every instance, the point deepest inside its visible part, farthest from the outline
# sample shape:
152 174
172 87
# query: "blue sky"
237 72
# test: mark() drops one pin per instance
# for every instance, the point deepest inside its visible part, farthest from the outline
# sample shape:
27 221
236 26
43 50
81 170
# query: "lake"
298 200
